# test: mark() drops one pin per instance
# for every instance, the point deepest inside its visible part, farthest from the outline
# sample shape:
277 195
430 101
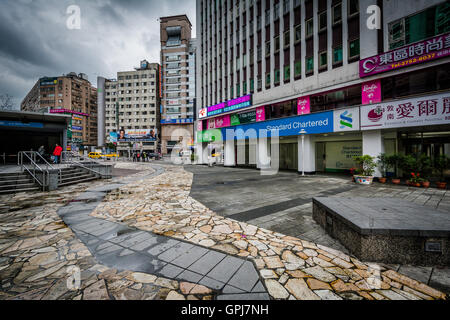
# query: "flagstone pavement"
143 236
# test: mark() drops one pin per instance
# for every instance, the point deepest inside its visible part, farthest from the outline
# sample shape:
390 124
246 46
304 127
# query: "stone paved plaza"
163 232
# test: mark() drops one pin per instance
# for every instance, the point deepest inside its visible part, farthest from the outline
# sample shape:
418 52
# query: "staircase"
73 175
17 182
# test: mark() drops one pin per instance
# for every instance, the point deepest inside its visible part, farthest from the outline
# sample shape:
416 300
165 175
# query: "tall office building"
68 94
332 86
130 105
178 62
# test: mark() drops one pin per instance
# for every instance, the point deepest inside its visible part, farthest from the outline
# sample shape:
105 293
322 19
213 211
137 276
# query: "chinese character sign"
423 111
415 53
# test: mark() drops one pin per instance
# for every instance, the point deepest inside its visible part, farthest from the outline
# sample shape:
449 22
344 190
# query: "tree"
6 102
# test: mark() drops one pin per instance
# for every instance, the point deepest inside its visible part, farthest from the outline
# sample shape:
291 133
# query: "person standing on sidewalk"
57 153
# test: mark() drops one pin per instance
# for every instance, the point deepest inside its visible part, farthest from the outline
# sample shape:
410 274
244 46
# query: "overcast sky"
115 35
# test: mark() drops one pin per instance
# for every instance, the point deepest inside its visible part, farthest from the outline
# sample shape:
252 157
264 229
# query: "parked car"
153 155
111 155
95 155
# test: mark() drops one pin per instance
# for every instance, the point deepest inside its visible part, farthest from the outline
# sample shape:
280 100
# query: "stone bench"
388 230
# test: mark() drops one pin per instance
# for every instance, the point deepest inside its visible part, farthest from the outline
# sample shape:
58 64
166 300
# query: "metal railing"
31 156
71 158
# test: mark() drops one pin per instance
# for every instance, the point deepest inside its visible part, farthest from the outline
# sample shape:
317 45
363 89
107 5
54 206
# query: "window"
322 21
298 33
267 79
353 51
244 87
310 65
397 34
287 73
277 44
276 11
297 69
323 60
238 92
337 13
426 24
309 27
337 55
353 7
285 6
267 48
252 85
277 76
287 38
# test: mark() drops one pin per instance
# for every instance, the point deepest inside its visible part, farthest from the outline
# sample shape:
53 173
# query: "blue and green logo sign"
346 120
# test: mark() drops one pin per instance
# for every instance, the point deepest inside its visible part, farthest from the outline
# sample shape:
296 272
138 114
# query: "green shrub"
441 164
366 165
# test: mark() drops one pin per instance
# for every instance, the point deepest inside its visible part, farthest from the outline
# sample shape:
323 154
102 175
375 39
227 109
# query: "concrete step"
17 186
15 181
10 191
77 181
78 177
13 176
75 174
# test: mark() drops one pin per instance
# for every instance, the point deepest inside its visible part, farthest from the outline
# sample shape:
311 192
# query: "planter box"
363 180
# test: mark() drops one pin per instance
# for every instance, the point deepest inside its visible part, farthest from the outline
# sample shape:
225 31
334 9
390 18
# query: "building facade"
178 62
130 105
70 94
319 73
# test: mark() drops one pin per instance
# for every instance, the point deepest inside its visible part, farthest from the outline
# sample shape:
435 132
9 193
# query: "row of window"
283 73
136 76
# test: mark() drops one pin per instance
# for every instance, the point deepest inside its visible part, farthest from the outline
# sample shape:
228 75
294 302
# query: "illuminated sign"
231 105
414 53
68 111
202 113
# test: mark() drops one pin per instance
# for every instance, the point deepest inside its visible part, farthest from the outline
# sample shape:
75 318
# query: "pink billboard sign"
223 121
303 105
199 125
371 92
260 114
412 54
211 124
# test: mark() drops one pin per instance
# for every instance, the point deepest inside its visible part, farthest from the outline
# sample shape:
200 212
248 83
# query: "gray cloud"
115 35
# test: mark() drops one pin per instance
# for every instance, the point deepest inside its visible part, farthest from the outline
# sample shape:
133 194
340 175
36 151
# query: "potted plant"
415 180
367 166
393 161
425 169
353 172
383 165
441 164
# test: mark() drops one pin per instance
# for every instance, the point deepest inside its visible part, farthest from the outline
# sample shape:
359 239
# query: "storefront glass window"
420 26
418 82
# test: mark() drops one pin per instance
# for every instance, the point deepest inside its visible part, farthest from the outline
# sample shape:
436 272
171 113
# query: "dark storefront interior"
12 141
27 131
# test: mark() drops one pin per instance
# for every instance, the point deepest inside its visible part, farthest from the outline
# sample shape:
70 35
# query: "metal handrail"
79 164
45 173
49 165
84 167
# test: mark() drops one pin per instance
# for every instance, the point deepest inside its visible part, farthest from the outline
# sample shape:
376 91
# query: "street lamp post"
303 132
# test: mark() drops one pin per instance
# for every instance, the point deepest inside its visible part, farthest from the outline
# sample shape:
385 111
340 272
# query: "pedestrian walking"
138 157
134 157
41 152
57 153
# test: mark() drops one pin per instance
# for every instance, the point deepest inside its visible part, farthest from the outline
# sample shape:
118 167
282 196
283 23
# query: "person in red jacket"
57 153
